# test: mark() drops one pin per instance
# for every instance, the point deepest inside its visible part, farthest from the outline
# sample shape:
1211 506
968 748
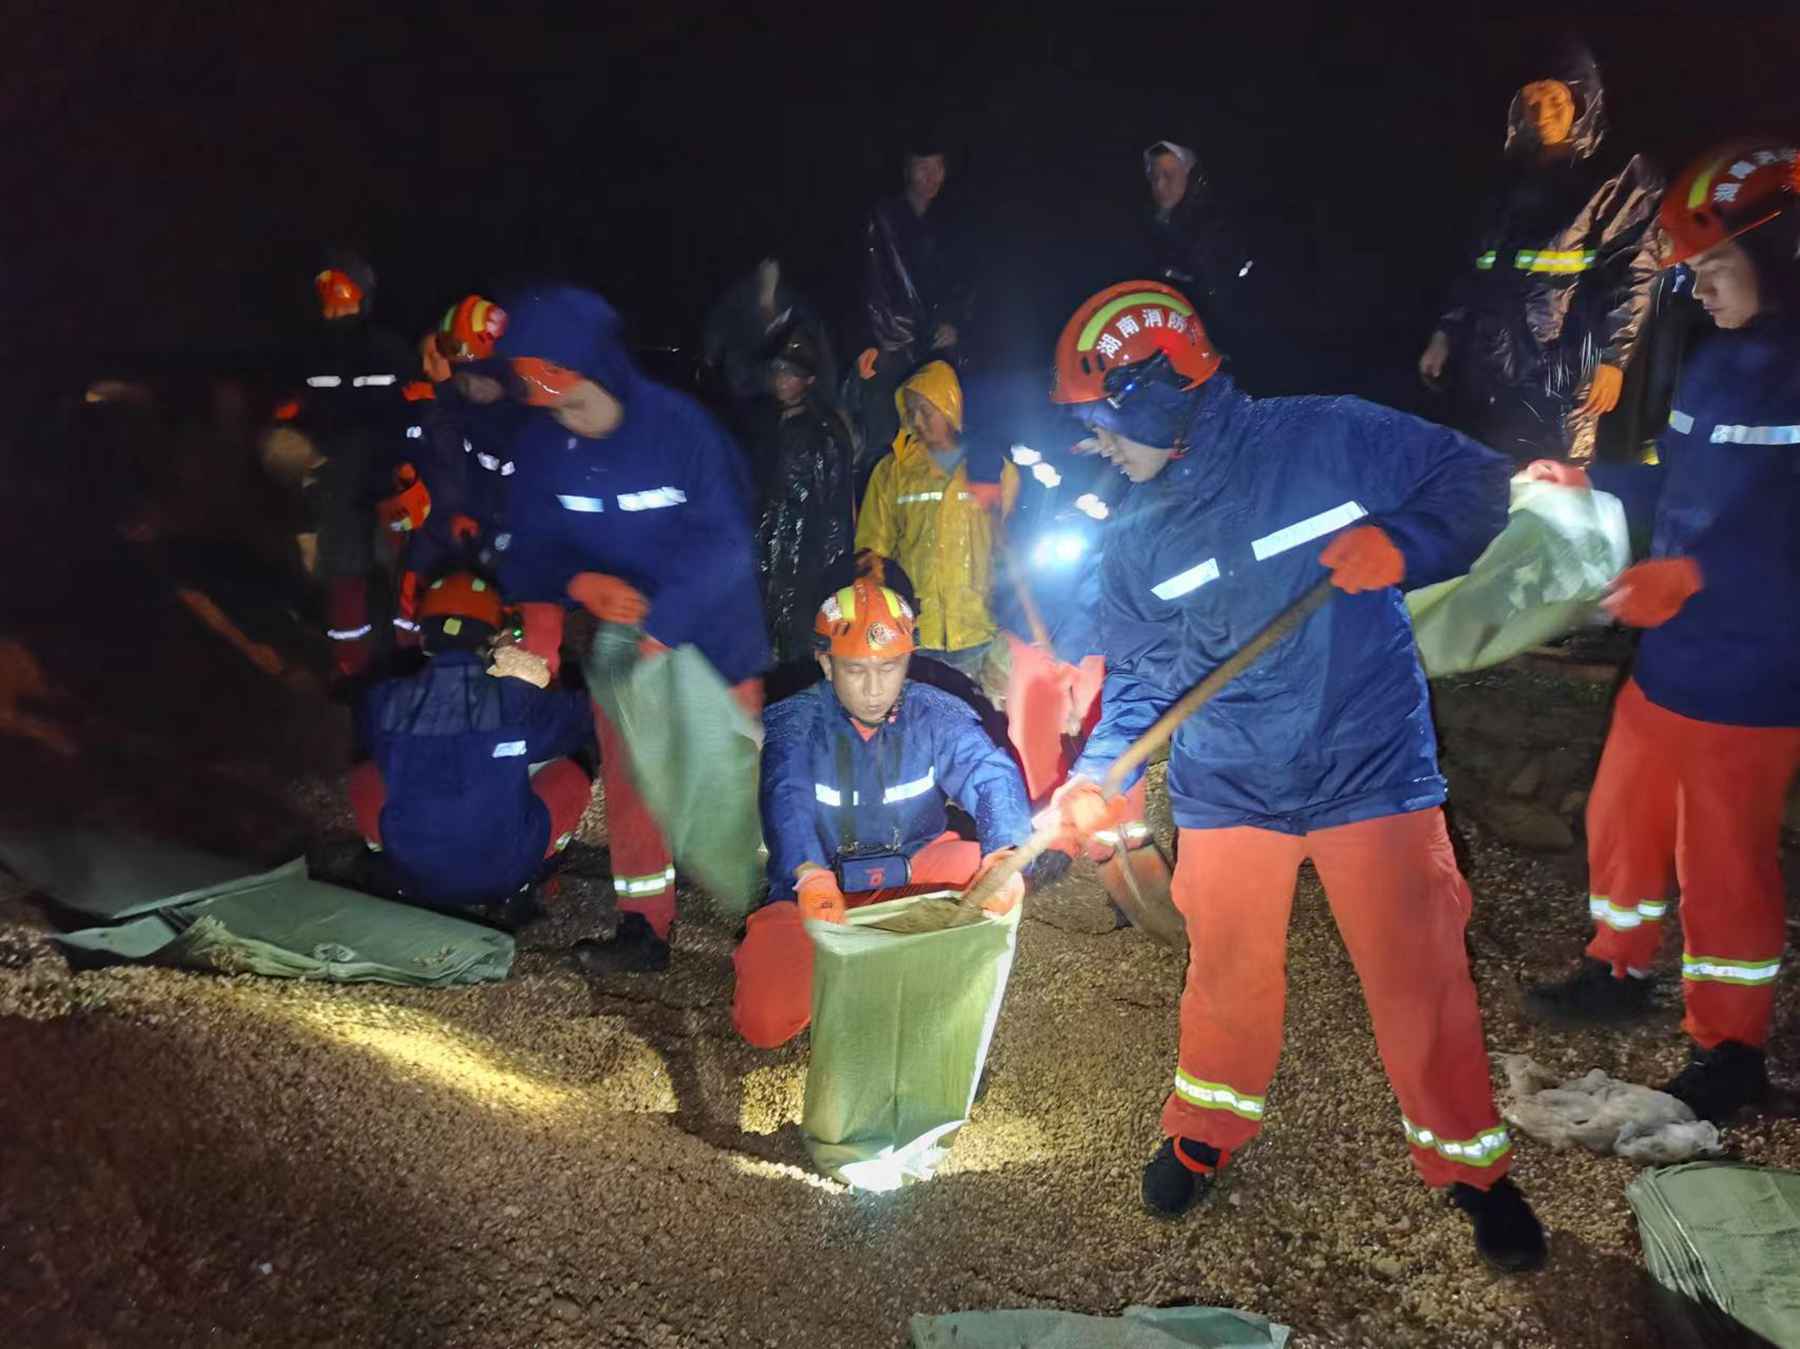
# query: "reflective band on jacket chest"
827 795
1541 260
652 499
1680 421
912 498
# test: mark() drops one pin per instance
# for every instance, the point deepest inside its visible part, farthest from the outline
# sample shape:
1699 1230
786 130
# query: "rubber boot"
1719 1082
1508 1235
633 949
1592 996
1175 1183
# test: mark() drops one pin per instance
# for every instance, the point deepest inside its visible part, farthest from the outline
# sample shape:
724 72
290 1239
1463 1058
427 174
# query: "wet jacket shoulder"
663 502
1726 492
455 747
824 786
1334 725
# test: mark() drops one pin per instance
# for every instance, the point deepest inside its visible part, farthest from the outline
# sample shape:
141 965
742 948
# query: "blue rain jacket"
455 747
823 783
1726 492
663 503
1334 724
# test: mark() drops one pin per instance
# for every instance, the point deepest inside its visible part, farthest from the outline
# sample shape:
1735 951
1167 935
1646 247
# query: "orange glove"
1084 810
872 565
865 363
463 528
1007 897
609 599
1604 389
1651 593
1554 470
1362 559
431 359
820 898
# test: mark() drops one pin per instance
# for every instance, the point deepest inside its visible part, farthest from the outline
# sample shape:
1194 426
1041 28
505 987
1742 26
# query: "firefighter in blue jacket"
1705 737
635 490
1323 750
856 772
469 788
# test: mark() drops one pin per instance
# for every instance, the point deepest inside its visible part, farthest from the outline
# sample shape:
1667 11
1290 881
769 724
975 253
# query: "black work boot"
1508 1234
1171 1186
1719 1082
633 949
1592 996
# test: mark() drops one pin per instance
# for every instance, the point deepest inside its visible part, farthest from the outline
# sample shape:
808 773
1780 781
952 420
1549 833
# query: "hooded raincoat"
662 502
1334 725
929 522
1559 279
826 790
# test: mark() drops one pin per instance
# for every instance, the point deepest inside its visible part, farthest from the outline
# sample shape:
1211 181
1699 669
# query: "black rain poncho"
1558 281
805 468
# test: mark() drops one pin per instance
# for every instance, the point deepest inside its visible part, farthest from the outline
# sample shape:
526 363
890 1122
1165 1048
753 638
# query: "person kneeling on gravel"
469 789
1705 737
1323 750
856 772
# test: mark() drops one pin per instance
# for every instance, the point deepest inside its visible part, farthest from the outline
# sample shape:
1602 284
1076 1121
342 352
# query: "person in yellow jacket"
922 512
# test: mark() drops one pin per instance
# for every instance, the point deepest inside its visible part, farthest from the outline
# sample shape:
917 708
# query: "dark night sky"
177 168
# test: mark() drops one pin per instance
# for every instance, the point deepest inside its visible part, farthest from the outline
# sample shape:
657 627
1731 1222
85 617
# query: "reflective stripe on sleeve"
653 884
1486 1148
1711 969
373 381
1680 421
349 634
323 381
1191 579
1754 435
1303 531
1217 1096
827 796
584 505
509 749
1485 262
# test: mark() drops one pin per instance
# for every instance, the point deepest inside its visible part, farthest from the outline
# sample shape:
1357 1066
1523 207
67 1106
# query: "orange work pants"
1401 905
1695 807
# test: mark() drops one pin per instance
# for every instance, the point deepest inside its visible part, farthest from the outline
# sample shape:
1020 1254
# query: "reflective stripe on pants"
1401 905
1694 806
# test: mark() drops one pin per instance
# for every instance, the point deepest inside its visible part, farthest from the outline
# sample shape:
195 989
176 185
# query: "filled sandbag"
905 997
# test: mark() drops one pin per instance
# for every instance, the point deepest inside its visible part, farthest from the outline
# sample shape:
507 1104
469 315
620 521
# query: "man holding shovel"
1323 748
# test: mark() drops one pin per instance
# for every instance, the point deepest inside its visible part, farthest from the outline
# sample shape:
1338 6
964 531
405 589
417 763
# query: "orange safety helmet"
461 598
1727 192
339 294
864 621
470 328
1124 324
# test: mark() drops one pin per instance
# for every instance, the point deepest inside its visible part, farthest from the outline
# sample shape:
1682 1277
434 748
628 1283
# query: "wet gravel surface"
193 1159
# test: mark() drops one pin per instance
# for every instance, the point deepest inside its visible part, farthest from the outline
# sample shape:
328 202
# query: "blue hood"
574 328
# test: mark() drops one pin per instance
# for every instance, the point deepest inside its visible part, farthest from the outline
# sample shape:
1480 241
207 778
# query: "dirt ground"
192 1159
